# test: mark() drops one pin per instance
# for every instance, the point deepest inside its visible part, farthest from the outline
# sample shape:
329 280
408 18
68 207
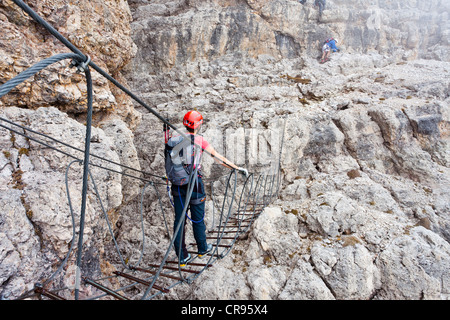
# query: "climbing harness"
192 202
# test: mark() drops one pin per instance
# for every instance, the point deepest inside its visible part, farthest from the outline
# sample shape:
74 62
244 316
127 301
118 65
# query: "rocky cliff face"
363 212
169 33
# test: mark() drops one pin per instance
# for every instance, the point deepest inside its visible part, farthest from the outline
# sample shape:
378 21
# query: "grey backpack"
179 155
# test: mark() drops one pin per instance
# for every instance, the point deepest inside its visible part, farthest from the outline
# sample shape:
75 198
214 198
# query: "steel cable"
21 77
80 150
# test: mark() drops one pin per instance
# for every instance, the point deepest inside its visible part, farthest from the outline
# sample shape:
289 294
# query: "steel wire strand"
279 159
218 239
271 188
127 265
87 144
240 209
74 49
255 200
72 243
40 142
73 225
88 63
225 252
239 230
109 225
69 197
21 77
160 205
70 155
223 222
72 214
251 201
213 208
80 150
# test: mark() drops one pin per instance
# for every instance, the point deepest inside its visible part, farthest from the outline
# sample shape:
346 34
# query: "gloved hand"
243 171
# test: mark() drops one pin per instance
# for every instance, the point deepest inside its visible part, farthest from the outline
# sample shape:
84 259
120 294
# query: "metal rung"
223 238
233 220
215 245
48 294
221 231
154 273
241 226
105 289
141 281
250 210
228 226
236 226
176 269
208 254
243 213
191 264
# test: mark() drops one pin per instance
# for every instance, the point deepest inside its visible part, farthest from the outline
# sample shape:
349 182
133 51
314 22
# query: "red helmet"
192 119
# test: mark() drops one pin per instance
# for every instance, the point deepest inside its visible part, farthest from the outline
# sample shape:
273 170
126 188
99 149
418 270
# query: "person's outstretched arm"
220 159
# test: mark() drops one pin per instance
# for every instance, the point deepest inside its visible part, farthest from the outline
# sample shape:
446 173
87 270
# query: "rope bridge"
242 199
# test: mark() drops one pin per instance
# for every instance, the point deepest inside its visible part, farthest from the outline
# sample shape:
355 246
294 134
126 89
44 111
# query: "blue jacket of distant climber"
332 44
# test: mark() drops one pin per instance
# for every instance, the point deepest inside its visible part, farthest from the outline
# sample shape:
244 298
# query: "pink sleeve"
202 142
205 144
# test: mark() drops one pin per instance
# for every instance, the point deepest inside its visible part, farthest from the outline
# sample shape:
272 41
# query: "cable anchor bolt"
81 66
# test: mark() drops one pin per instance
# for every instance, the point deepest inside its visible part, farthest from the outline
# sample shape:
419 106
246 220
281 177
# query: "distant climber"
302 1
321 4
179 168
328 46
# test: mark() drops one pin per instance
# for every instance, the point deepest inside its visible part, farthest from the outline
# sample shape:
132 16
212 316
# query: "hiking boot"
184 261
209 248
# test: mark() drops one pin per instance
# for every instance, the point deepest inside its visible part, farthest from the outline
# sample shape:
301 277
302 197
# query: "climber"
328 46
321 4
302 1
178 170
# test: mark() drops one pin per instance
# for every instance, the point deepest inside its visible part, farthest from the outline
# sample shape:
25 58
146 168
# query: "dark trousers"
197 213
321 4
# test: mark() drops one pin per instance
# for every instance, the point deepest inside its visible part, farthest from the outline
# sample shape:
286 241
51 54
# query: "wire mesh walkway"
235 206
